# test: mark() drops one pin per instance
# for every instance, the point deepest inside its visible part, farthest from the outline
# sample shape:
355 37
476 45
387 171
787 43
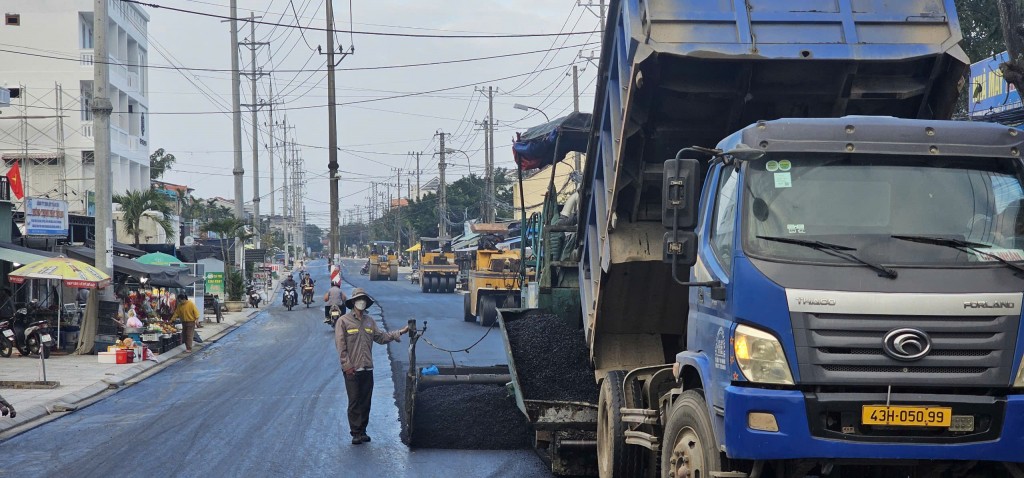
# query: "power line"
301 70
363 32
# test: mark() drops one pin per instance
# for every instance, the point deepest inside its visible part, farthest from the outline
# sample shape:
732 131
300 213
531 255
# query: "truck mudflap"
999 422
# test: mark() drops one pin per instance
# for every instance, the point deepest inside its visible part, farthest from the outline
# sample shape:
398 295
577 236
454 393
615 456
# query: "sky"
189 109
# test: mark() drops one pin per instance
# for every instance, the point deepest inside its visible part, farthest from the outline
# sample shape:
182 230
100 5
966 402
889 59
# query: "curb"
40 414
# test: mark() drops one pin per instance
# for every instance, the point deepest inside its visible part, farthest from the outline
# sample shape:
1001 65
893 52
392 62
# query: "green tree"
226 228
135 204
314 238
159 162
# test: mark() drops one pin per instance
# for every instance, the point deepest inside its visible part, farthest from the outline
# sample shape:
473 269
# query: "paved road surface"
266 400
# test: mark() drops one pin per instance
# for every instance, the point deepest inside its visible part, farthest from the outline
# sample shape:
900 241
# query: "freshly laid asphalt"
268 400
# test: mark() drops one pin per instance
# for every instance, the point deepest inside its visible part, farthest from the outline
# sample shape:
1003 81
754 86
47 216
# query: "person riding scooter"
288 285
307 289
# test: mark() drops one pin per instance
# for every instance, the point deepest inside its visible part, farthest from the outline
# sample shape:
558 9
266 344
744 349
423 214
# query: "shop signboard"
215 283
989 93
46 217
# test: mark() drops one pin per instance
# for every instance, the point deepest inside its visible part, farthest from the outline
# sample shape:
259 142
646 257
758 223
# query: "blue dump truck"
790 262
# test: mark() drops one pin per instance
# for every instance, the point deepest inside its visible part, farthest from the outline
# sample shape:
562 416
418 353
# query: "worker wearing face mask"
354 336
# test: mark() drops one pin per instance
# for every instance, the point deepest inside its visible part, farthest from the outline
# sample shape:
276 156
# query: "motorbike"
254 297
30 337
335 314
307 294
365 270
289 297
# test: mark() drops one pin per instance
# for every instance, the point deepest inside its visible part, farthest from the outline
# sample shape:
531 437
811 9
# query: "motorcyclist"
307 281
290 282
334 297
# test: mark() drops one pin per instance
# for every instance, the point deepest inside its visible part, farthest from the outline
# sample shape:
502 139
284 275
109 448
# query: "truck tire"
615 459
467 309
488 310
423 284
394 273
373 273
449 284
689 447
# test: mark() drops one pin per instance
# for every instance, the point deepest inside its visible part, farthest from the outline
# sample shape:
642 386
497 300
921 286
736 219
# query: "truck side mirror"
680 194
680 248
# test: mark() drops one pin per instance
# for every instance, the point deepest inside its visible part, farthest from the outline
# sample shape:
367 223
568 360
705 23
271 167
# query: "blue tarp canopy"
543 145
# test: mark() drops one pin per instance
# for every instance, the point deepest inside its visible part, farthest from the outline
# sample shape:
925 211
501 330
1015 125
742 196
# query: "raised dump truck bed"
679 73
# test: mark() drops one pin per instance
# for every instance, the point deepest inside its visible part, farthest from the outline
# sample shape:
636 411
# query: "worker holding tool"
354 336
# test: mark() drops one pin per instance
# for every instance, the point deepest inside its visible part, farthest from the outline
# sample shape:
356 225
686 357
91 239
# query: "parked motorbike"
307 294
289 297
30 337
334 316
254 297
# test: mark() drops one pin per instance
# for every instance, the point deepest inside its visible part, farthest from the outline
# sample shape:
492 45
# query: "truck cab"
861 296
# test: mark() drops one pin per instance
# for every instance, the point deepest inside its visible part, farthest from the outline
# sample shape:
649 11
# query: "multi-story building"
48 126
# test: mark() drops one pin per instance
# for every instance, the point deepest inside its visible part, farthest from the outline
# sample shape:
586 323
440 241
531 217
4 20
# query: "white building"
48 126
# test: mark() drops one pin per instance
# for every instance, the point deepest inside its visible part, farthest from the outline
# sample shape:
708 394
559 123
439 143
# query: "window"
12 19
88 157
723 229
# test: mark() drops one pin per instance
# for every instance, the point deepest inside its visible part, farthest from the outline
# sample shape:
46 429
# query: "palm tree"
224 228
135 204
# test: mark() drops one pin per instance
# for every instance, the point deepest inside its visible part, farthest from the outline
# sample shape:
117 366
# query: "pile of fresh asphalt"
551 359
469 417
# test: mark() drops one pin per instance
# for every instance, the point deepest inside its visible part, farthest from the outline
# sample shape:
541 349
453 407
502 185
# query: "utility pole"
270 149
236 122
488 208
576 99
417 155
442 195
489 179
332 127
101 109
253 76
398 213
284 194
332 132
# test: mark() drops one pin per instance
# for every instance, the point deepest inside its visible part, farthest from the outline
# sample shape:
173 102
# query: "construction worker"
354 335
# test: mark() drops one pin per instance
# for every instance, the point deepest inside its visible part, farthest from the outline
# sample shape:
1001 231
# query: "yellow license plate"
906 416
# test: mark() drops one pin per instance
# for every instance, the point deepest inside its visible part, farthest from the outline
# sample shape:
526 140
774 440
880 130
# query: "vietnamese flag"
14 178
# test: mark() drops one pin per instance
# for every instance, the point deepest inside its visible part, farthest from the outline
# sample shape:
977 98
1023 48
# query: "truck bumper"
808 427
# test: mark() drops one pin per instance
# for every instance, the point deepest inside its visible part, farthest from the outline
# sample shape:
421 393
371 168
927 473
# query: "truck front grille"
841 349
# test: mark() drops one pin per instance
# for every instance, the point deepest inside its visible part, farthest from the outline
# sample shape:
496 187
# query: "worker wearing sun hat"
354 335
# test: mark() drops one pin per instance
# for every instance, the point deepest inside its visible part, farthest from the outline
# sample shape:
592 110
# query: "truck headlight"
760 356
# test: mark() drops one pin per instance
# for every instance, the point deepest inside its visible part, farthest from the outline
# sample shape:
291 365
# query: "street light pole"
520 106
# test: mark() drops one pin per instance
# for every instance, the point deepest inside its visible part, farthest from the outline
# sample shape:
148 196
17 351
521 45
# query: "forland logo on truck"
802 301
977 304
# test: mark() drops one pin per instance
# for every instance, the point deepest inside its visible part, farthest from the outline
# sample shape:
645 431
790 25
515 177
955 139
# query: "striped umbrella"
74 274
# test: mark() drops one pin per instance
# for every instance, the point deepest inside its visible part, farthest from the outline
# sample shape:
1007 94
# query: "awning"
22 255
415 248
158 276
121 264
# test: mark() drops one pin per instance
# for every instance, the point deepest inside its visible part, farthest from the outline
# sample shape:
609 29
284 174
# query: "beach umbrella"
159 259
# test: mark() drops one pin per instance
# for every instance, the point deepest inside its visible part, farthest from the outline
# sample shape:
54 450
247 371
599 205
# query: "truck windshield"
861 201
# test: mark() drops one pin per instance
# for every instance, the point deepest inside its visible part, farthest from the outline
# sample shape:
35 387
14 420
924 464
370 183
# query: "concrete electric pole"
442 194
253 76
236 123
101 109
576 103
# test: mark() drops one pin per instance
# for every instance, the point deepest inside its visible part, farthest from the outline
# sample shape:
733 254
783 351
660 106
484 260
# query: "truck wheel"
435 284
394 274
467 309
689 448
614 457
449 284
488 311
423 284
373 273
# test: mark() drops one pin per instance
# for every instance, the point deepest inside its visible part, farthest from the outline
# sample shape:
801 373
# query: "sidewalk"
83 380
